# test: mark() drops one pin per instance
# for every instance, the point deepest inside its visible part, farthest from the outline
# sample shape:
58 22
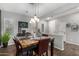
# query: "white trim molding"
72 42
59 48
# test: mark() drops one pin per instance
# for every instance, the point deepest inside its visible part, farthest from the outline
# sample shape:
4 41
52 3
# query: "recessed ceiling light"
48 18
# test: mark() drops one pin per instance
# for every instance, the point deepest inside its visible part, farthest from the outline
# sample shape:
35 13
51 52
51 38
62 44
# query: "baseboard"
72 43
11 44
59 48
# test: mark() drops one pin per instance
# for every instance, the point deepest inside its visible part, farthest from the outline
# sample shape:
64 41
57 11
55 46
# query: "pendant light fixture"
35 18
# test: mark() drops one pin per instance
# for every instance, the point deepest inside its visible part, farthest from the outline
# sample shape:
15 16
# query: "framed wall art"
74 27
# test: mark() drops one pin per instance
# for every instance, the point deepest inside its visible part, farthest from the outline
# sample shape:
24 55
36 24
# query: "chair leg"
30 53
17 53
47 53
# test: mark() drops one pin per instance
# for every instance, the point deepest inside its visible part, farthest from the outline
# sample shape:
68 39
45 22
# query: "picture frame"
68 25
74 27
22 24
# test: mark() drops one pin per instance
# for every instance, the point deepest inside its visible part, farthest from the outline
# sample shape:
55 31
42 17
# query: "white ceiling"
43 10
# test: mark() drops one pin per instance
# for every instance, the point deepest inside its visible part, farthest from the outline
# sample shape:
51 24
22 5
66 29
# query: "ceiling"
42 10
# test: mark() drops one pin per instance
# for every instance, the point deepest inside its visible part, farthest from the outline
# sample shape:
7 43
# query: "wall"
13 19
52 26
71 36
58 27
55 27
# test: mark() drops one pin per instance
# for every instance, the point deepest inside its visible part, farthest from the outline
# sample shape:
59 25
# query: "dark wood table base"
52 46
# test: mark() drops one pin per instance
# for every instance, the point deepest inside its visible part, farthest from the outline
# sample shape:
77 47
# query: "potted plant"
5 38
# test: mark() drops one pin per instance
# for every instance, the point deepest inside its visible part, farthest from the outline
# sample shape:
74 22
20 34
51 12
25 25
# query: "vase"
5 45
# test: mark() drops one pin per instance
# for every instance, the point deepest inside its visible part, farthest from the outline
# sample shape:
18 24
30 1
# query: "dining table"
25 42
34 41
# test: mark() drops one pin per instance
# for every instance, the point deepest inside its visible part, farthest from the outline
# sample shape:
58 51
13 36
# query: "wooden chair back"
18 46
42 46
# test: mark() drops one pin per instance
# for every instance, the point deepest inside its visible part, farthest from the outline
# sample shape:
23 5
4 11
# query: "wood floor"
70 50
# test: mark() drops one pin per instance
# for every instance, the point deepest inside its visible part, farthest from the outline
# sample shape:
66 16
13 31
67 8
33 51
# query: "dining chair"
52 46
19 49
45 35
42 47
28 51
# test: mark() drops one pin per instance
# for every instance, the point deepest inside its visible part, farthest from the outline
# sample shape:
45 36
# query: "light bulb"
36 18
32 20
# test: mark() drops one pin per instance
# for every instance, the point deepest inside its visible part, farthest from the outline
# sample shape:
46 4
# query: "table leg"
52 47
